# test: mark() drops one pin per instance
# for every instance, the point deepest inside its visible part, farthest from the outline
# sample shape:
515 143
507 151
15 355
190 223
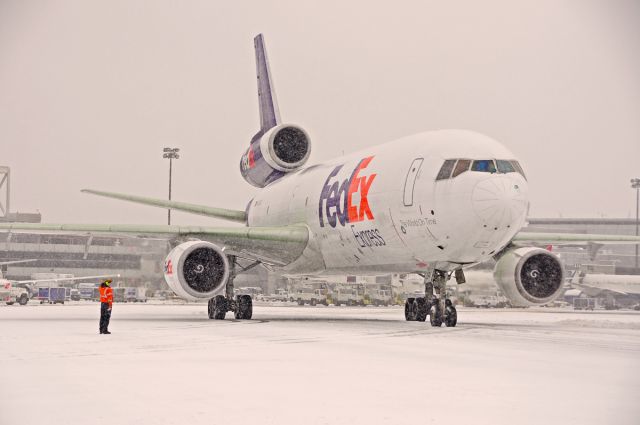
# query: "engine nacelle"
529 276
196 270
280 150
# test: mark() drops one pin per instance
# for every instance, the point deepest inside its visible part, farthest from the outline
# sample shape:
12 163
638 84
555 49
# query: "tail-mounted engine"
529 276
196 270
280 150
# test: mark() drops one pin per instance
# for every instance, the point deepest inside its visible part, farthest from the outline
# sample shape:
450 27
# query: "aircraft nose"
499 201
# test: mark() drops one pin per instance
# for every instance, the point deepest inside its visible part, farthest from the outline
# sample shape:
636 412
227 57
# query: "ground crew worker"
106 301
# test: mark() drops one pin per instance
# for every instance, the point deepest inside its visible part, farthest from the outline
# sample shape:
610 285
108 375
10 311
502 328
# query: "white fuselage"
382 210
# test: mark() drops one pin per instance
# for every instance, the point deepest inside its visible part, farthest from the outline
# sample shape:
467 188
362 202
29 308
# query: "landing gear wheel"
410 310
245 307
421 309
217 307
450 316
434 315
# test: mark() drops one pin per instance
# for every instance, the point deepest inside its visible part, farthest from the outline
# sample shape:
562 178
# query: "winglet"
269 113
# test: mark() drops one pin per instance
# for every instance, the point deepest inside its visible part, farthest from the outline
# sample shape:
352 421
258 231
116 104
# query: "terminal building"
609 259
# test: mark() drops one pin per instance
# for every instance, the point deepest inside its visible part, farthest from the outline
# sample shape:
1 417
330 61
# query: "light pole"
171 153
635 184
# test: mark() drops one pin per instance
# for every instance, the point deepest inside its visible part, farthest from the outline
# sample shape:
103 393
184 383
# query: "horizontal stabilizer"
221 213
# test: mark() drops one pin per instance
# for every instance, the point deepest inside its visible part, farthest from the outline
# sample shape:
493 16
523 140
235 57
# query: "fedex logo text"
247 160
336 199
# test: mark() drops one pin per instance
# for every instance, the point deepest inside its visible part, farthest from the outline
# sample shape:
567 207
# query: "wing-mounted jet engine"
529 276
196 270
277 148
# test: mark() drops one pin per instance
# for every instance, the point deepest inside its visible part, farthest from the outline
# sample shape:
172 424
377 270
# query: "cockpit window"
504 166
461 167
445 170
484 165
518 168
454 167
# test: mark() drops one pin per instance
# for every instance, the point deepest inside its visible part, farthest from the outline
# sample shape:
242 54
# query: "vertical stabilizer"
269 113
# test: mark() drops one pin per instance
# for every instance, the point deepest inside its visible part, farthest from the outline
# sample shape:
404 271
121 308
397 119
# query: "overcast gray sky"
91 91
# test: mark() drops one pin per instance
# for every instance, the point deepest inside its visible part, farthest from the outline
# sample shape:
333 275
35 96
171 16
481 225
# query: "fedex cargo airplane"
433 203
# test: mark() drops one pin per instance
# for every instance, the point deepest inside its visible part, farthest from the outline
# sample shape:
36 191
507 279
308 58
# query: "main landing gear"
241 305
434 304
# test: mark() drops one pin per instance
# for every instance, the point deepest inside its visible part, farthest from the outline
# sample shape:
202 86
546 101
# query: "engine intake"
196 270
290 147
271 155
529 276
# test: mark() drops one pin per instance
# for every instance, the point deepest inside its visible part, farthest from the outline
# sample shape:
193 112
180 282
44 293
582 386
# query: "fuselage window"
504 166
461 167
518 168
484 165
445 170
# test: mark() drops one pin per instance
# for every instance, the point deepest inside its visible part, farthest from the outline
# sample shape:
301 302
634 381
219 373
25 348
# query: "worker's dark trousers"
105 316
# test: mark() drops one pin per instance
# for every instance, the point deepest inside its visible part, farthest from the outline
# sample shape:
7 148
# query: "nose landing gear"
434 304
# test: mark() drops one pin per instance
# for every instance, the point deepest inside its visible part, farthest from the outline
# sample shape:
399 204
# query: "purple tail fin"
269 113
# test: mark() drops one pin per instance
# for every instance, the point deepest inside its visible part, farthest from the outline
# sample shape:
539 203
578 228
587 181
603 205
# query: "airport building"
137 260
610 259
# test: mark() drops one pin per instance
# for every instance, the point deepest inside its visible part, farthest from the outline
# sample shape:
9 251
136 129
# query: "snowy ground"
168 364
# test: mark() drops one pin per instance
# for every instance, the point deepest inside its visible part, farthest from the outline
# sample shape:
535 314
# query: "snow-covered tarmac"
168 364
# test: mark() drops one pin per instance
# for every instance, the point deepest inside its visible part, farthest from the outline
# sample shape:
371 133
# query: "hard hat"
107 282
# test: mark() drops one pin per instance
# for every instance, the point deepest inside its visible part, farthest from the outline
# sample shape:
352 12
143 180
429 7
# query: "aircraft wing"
573 239
277 245
5 263
221 213
58 279
595 291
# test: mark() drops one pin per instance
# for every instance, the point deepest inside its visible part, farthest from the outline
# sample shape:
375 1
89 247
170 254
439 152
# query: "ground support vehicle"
280 295
75 295
11 294
51 295
310 296
347 296
89 291
380 297
585 304
118 295
135 295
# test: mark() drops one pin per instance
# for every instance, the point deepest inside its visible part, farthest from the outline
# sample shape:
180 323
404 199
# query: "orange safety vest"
106 295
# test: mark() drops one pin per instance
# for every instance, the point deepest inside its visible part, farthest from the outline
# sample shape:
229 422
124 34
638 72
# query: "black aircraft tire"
210 306
434 315
245 308
409 310
421 309
220 307
450 316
